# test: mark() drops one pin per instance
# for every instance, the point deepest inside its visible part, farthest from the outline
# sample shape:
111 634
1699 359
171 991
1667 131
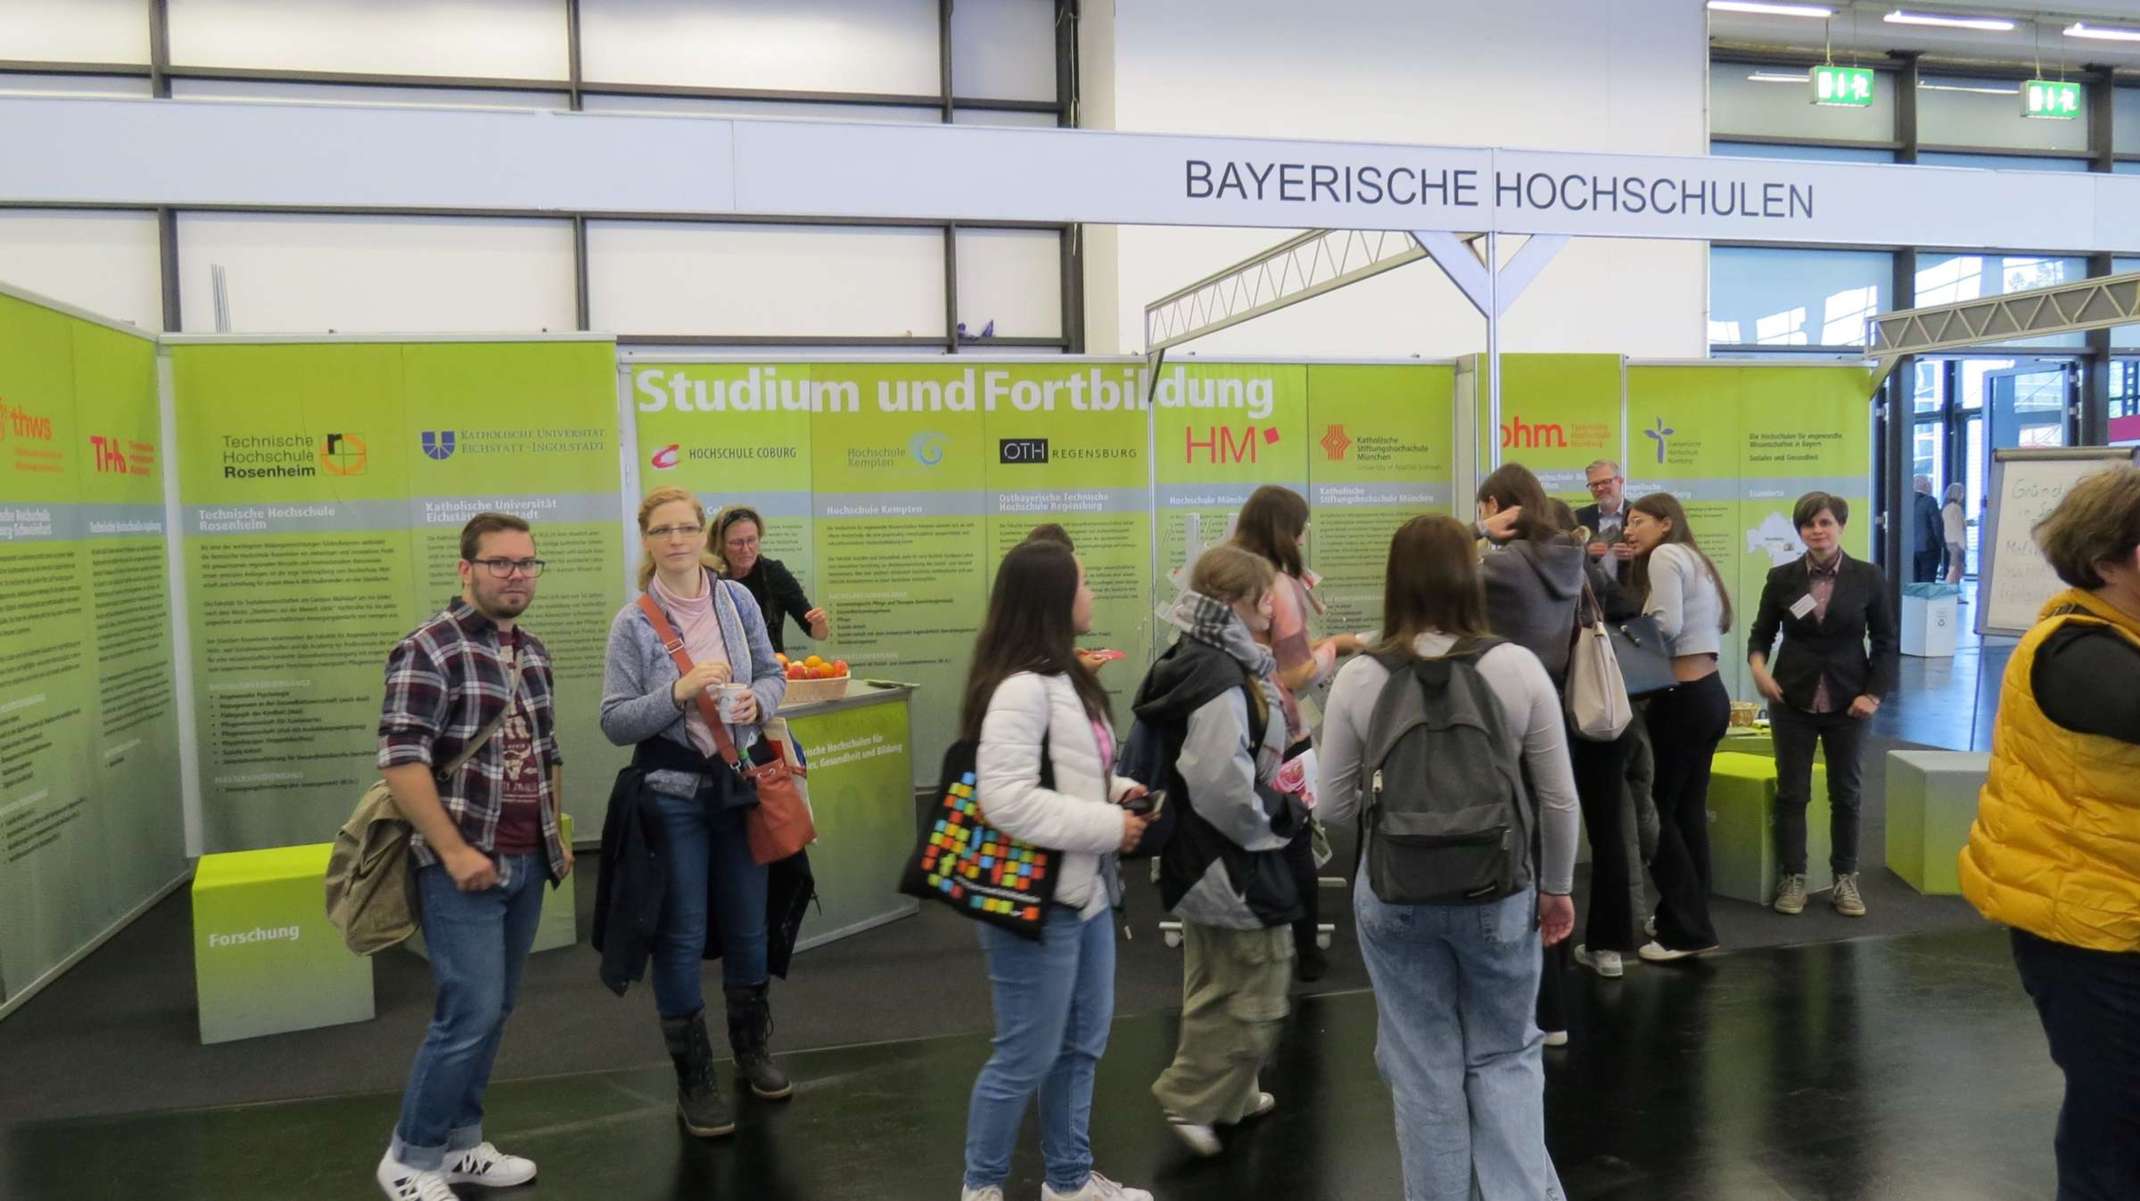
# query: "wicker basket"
811 692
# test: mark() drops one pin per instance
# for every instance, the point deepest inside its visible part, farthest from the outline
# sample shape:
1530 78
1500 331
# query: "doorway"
1970 405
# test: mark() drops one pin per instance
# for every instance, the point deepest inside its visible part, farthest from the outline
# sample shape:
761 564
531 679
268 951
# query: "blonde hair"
654 500
1228 573
717 533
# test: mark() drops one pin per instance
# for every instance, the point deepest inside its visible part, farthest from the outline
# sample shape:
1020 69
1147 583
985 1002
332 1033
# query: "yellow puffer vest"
2055 849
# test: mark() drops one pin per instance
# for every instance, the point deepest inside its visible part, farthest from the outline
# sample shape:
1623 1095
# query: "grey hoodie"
1531 593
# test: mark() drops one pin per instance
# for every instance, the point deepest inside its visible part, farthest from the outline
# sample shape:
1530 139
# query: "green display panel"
1379 455
1559 414
1220 431
861 794
89 810
1686 438
323 487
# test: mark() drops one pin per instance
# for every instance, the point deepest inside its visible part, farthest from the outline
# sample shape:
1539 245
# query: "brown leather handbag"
779 825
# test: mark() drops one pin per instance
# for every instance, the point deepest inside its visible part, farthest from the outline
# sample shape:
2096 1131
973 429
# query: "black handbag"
973 867
1645 659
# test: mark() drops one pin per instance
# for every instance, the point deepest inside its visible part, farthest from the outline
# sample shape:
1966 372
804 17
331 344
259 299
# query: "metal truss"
1300 268
2087 304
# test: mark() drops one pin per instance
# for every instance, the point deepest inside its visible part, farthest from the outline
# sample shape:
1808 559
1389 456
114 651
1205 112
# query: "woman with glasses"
735 544
699 803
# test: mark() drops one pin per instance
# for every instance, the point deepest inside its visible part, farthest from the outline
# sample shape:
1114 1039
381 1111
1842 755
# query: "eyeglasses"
742 543
1598 485
505 569
676 531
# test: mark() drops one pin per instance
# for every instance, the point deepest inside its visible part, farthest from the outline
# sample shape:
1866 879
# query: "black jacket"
1835 648
1587 517
635 880
779 596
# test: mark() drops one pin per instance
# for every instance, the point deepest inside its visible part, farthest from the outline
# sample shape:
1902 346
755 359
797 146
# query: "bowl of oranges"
814 679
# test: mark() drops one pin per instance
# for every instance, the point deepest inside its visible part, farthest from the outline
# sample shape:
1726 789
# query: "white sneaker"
1265 1103
991 1193
400 1182
1649 926
1556 1038
1657 952
484 1164
1201 1139
1605 963
1097 1188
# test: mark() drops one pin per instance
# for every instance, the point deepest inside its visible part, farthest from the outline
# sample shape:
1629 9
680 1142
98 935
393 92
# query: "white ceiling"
1858 26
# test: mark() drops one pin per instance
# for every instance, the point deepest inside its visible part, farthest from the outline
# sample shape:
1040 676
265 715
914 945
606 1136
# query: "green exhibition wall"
322 488
90 810
892 490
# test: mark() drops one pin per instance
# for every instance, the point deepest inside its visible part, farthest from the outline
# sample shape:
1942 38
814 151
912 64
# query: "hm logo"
1517 433
1220 445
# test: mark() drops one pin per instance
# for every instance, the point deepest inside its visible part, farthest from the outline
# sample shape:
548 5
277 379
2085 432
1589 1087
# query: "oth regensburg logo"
1021 450
927 448
438 444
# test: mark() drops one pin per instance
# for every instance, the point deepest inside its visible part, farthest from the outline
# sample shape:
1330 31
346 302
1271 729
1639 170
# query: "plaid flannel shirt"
444 682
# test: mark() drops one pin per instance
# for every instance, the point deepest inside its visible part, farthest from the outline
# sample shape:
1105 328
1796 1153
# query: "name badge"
1803 608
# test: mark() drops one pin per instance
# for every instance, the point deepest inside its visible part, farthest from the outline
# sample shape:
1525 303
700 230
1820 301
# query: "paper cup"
731 695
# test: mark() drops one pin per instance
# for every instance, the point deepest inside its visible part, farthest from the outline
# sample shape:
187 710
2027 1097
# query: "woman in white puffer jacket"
1054 999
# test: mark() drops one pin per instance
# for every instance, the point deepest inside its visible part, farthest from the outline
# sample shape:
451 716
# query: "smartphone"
1149 804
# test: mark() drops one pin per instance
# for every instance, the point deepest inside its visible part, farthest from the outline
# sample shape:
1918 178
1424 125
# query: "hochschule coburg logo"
438 444
666 457
927 448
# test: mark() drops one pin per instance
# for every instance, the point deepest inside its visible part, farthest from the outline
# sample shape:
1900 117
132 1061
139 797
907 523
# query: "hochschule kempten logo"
927 448
438 444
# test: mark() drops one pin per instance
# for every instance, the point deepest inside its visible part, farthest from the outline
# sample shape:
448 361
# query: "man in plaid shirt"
486 839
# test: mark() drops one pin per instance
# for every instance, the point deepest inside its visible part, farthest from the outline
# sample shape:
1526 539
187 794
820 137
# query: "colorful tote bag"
966 863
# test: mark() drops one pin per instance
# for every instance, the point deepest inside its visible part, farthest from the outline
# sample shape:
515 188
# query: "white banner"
215 152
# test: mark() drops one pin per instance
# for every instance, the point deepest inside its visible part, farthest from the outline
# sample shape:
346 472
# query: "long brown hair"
1432 583
1663 506
654 500
1512 485
1029 628
1271 523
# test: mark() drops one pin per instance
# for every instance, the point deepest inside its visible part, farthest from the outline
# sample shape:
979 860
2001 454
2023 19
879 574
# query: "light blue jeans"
478 943
1455 991
1054 1001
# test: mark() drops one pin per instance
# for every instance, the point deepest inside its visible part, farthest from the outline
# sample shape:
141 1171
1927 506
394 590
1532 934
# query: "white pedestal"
1928 626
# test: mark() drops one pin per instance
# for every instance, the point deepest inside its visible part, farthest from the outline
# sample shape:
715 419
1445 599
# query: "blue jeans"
1454 991
1054 1001
2089 1002
705 843
478 943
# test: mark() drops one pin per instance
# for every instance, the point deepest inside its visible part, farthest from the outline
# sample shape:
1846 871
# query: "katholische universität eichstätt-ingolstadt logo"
438 444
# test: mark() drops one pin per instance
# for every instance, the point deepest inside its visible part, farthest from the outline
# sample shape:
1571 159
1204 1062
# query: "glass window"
1954 110
2125 335
2125 122
1928 385
1778 102
1773 297
1825 154
1927 450
2000 162
1946 279
2125 168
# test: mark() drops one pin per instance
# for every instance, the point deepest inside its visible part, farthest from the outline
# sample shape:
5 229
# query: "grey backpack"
1447 820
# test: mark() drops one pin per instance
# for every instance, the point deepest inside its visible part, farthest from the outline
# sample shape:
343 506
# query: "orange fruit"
813 661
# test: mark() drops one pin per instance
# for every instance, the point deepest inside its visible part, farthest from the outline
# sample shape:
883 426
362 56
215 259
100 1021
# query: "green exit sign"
2054 99
1848 87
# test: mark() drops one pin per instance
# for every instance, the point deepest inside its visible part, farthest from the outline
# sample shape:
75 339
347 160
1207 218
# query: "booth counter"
860 754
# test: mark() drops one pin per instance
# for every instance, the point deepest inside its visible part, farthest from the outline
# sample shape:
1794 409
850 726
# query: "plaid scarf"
1214 623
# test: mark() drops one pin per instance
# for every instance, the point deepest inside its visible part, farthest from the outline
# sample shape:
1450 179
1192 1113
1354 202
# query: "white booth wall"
1612 76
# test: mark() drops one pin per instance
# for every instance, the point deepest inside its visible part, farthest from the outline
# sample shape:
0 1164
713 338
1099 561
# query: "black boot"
750 1033
705 1114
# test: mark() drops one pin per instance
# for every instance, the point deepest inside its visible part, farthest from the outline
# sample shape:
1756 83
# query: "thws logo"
438 444
17 422
256 934
927 448
1221 444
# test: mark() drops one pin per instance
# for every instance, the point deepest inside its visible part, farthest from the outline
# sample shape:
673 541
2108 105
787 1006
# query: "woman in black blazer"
1825 686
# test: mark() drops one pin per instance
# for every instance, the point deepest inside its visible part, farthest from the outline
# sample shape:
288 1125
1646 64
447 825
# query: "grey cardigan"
637 678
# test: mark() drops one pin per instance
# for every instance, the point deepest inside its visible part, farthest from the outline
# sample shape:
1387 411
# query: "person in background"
1054 998
1824 689
1606 517
1681 589
2054 852
699 801
1272 524
1928 533
1954 527
735 545
1455 984
1215 700
485 840
1050 531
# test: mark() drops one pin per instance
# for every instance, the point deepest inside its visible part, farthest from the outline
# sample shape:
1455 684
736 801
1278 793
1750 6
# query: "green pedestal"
555 928
1742 829
1931 799
861 788
265 958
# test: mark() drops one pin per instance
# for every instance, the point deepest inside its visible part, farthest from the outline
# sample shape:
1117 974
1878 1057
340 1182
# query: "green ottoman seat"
266 960
1931 800
1742 829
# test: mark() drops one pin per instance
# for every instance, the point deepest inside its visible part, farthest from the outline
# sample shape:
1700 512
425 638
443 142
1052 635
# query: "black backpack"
1446 817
